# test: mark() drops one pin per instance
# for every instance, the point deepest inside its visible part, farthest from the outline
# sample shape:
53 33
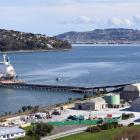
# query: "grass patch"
103 135
29 127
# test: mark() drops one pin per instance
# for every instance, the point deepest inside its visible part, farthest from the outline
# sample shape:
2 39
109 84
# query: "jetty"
62 88
8 79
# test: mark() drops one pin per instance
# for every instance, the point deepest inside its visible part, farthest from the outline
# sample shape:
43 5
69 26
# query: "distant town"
103 36
11 40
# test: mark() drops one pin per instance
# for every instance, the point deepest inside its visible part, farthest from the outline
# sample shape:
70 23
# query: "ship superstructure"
7 71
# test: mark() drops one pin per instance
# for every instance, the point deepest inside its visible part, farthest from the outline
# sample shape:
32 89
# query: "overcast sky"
52 17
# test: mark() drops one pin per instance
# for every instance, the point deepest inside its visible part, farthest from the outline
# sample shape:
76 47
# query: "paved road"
66 133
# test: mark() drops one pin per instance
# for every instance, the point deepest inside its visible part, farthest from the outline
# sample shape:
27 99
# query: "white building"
131 92
7 133
40 115
92 104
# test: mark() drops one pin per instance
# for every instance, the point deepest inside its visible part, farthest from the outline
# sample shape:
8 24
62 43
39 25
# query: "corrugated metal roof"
10 130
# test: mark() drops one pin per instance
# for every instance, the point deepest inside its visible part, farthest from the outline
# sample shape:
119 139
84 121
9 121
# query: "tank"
113 99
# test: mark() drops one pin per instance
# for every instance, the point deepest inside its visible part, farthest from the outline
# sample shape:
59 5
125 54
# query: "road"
66 133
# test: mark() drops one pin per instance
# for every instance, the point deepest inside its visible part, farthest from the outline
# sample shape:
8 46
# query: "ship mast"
6 59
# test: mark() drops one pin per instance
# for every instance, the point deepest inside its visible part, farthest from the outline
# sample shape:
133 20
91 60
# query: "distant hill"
15 41
103 36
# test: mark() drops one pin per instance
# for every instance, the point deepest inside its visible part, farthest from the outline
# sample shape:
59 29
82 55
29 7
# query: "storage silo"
113 100
131 92
135 106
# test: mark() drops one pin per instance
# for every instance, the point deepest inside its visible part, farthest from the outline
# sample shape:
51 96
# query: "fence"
86 122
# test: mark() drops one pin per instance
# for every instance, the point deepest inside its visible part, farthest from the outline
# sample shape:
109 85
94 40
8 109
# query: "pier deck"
59 88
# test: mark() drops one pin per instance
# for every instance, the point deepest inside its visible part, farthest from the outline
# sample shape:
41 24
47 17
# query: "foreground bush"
93 129
127 116
38 131
131 124
107 126
29 138
43 129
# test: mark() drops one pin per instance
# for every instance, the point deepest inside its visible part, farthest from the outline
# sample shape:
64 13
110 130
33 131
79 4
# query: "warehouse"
130 92
92 104
7 133
135 106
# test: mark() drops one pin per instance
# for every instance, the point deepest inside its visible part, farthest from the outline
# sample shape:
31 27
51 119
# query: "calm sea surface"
81 66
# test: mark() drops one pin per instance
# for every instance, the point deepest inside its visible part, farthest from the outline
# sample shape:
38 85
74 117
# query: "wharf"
61 88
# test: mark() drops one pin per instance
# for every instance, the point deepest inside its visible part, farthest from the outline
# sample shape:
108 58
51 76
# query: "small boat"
58 78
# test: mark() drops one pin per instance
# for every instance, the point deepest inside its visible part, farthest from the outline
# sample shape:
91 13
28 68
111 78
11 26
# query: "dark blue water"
81 66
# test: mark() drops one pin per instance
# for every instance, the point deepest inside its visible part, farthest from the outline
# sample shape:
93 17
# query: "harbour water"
81 66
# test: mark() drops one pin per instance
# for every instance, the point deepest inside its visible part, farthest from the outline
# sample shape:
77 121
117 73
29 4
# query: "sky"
52 17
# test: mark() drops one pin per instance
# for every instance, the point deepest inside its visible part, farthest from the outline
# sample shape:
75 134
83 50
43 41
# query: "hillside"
14 41
103 36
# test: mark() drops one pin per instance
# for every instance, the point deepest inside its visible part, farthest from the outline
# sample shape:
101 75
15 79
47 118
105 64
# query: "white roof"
40 113
10 130
96 100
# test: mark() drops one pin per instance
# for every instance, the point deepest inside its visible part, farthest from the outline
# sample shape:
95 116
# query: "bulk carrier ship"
7 71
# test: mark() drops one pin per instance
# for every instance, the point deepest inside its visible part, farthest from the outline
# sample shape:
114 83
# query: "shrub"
115 124
120 125
127 116
43 129
93 129
107 126
131 124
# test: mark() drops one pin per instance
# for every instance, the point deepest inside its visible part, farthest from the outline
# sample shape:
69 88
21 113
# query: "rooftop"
96 100
10 130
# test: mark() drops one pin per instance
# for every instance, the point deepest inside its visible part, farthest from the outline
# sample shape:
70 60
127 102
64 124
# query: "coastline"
73 45
33 51
64 105
103 45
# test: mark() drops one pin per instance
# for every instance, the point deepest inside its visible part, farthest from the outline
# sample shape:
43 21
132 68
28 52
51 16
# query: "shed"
92 104
7 133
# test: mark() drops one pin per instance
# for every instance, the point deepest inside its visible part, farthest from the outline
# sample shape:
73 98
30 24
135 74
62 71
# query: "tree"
85 96
70 99
6 113
43 129
29 107
24 108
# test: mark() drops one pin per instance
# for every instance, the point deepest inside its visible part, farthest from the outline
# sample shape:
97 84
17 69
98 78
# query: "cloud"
136 18
120 22
44 16
83 20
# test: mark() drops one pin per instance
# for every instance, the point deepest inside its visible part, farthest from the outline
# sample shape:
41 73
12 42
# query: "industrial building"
113 100
92 104
135 106
130 92
7 133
